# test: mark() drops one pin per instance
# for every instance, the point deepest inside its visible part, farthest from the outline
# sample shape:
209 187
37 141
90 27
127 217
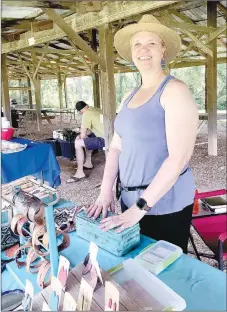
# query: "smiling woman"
148 49
154 137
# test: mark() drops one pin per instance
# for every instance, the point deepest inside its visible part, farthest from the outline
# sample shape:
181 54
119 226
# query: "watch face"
141 203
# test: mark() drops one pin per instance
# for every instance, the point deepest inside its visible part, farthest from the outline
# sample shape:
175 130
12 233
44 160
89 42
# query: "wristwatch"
142 204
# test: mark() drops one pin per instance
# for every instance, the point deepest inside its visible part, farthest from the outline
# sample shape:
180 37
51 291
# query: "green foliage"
81 88
123 83
49 93
194 78
221 82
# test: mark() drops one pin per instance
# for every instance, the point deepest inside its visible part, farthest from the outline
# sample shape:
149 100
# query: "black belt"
141 187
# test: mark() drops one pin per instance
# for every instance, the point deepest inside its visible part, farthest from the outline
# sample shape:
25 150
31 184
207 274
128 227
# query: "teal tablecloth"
202 286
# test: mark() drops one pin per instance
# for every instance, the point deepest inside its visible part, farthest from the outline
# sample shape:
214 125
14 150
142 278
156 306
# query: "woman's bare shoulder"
174 92
175 88
176 84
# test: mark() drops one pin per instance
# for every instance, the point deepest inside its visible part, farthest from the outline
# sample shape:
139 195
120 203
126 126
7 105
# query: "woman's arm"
111 167
181 121
106 199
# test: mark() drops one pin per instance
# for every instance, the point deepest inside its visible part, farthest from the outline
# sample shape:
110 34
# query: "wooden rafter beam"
180 15
189 46
113 11
73 36
188 20
82 59
27 25
41 4
222 8
216 33
52 51
38 65
25 68
198 43
187 26
192 48
50 63
20 88
66 70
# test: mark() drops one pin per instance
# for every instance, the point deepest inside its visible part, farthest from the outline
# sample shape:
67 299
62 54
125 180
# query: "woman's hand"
123 221
103 202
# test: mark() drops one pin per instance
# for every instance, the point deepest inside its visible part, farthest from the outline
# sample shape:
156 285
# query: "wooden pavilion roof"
49 37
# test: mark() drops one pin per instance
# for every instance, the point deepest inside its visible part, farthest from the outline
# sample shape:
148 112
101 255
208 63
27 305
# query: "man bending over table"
91 138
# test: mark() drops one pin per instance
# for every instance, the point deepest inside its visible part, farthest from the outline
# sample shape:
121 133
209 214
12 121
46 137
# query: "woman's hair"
162 41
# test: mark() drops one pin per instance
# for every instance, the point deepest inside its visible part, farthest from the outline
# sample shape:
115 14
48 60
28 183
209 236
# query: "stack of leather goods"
117 243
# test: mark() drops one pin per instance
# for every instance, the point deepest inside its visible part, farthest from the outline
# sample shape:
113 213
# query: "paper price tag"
111 297
96 265
69 303
85 296
45 307
93 251
56 294
28 296
63 271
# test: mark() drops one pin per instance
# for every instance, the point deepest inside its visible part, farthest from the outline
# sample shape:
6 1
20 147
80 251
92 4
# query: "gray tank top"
144 149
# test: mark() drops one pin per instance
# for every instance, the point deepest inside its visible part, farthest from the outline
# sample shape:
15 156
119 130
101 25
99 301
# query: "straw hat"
147 23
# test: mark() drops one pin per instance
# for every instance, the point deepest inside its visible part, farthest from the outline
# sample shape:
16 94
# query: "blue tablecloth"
202 286
36 158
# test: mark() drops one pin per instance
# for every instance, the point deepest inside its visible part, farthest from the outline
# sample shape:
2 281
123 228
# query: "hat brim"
171 39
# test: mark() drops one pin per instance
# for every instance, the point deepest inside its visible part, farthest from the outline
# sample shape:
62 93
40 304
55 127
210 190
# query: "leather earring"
132 65
163 63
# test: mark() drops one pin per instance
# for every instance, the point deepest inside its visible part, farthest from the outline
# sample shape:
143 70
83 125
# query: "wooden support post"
65 91
21 92
212 82
107 82
95 77
5 89
96 87
29 93
37 89
60 92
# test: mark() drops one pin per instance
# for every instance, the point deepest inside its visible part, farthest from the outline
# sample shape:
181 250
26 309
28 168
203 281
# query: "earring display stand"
20 274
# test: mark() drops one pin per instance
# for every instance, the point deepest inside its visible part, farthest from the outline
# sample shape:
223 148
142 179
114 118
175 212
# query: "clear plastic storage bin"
145 288
158 256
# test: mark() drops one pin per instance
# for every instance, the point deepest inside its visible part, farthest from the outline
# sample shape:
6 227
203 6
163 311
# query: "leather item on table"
32 226
17 252
33 205
64 244
42 273
9 253
14 223
31 257
38 232
36 214
20 224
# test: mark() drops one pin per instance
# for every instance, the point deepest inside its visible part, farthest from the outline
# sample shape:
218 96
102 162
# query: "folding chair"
213 231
